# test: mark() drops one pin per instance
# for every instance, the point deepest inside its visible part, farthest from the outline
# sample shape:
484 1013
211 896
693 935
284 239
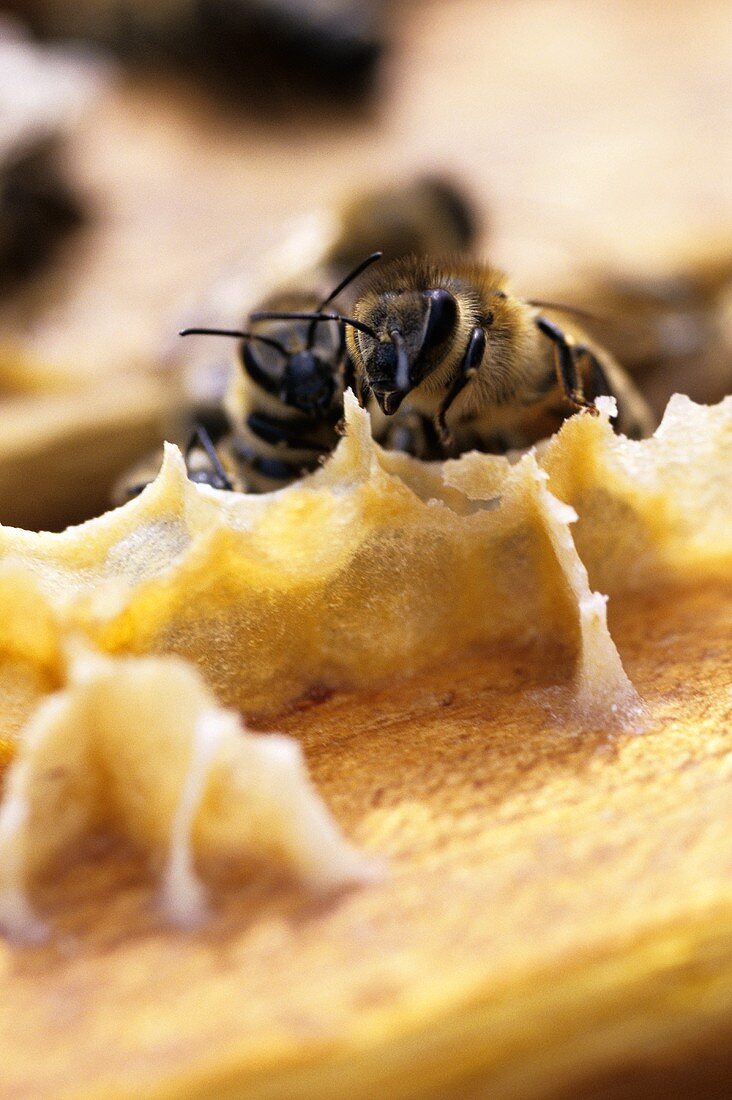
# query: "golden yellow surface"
557 909
557 903
557 915
378 565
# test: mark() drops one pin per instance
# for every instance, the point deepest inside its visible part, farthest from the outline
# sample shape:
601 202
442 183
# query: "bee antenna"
350 277
402 374
239 334
342 286
275 315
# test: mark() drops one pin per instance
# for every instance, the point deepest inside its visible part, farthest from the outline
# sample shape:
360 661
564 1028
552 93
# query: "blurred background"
150 147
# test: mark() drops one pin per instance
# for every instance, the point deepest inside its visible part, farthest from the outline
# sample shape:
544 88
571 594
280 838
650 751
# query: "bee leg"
565 361
201 438
598 378
468 369
363 390
634 419
412 434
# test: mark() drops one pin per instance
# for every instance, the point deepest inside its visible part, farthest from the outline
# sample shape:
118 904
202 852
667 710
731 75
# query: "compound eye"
441 318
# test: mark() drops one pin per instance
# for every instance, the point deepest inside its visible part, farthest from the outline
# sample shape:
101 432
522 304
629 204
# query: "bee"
286 403
282 410
672 330
444 352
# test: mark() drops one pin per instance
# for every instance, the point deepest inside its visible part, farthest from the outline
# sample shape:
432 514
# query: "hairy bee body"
488 370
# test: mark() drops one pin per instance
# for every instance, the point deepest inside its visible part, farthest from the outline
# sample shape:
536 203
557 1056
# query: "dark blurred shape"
672 332
42 91
430 215
37 208
265 51
332 45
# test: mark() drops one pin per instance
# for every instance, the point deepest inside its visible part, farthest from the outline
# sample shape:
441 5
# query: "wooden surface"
556 916
556 908
60 453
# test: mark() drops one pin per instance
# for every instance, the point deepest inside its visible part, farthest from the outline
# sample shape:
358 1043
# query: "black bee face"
301 369
414 329
308 383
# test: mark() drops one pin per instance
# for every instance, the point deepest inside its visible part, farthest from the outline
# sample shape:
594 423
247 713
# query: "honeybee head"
291 362
308 383
403 341
410 332
309 377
